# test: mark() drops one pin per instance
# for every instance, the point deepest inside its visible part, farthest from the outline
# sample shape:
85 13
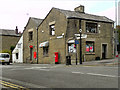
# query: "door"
31 53
104 51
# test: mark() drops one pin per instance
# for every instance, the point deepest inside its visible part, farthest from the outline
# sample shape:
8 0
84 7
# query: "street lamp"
37 44
80 46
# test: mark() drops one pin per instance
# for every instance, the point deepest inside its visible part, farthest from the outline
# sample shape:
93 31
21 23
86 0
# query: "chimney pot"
16 30
79 9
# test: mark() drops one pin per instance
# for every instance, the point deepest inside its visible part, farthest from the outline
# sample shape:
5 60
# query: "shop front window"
71 48
89 46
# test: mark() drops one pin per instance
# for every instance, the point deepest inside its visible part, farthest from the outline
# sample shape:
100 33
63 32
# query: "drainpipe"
37 44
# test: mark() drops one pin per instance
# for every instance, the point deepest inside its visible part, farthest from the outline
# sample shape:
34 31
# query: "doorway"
31 53
104 51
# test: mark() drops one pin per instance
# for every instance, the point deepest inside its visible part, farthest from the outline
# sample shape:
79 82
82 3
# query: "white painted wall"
18 49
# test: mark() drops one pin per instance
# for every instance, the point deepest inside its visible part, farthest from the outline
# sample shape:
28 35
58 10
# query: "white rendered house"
17 54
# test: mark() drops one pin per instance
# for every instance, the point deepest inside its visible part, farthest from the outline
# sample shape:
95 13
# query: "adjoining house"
8 38
30 40
17 54
57 34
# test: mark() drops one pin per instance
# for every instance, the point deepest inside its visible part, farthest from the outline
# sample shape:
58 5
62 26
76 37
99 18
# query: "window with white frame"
52 29
91 27
90 46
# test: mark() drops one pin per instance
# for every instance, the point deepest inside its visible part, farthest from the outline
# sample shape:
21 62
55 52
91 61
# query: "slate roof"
73 14
8 32
36 20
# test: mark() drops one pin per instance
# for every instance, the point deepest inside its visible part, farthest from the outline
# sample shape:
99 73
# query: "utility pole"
80 46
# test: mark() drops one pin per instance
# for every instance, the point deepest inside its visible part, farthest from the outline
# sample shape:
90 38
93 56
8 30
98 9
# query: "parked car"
5 58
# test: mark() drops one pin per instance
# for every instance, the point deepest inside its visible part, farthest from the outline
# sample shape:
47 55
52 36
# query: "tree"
12 48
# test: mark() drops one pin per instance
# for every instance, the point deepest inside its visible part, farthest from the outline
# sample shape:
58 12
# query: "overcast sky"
17 12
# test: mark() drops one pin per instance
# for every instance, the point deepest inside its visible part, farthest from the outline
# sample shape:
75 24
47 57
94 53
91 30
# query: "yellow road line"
7 84
12 84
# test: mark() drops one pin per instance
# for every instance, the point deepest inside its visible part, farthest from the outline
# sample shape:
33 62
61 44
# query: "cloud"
110 13
16 12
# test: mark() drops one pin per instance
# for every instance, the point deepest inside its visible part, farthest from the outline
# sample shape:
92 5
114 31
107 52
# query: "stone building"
56 33
8 38
30 40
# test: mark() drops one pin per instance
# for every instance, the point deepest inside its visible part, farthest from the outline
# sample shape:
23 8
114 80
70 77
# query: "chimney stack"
16 30
79 9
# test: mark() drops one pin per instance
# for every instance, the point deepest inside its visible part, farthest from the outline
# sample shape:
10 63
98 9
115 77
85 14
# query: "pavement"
104 62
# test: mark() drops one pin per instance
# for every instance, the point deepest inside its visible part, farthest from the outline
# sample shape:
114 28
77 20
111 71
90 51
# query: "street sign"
76 42
78 36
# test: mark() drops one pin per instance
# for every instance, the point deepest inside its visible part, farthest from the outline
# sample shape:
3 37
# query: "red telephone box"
56 57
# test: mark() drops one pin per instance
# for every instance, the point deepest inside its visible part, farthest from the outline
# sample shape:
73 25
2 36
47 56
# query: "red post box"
35 55
56 57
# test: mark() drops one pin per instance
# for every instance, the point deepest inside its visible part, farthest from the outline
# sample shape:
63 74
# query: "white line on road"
96 74
101 75
38 68
43 69
78 72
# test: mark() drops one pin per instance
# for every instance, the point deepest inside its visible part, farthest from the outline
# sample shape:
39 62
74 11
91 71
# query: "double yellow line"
11 85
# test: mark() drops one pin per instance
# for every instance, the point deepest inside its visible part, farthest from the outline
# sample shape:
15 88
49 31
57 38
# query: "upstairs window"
52 29
90 46
91 27
30 36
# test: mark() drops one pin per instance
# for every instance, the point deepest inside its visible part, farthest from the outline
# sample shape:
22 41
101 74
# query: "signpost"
82 36
79 37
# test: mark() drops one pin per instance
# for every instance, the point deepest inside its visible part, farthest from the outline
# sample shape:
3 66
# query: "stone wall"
8 41
103 36
55 44
26 43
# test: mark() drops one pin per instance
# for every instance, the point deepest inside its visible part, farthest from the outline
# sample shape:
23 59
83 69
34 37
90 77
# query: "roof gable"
37 21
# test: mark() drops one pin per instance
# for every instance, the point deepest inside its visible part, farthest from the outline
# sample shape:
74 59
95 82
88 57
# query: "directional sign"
76 42
78 36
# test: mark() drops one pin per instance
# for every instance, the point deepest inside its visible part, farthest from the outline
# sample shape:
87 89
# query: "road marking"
29 85
43 69
28 68
95 74
11 85
78 72
102 75
38 68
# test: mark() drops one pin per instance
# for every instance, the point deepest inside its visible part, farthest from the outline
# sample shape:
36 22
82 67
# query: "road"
60 76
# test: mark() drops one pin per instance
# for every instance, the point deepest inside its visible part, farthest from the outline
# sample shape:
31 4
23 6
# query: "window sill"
30 40
90 53
45 56
91 33
52 35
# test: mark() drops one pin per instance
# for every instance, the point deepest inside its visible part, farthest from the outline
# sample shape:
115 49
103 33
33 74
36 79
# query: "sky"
17 12
119 13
